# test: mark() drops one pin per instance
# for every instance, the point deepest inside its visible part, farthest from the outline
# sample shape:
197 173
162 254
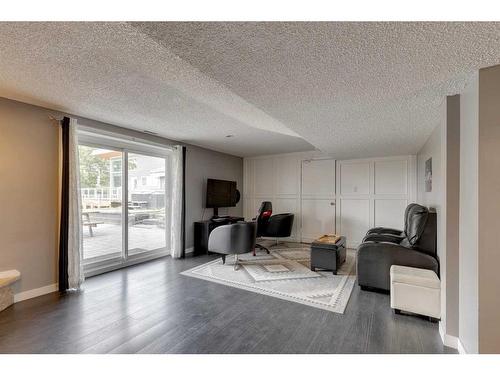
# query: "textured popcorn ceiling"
350 89
113 73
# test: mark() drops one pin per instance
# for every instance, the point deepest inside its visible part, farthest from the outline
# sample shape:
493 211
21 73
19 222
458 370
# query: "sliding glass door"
125 202
102 211
146 204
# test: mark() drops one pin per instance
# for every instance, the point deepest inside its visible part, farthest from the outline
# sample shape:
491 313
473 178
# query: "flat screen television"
221 193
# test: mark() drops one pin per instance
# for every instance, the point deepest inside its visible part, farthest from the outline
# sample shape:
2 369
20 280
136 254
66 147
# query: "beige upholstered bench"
7 278
415 290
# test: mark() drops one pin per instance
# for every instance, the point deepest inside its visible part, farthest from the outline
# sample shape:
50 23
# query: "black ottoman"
328 256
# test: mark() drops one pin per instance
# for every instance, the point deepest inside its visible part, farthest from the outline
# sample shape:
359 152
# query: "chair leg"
223 258
258 246
235 262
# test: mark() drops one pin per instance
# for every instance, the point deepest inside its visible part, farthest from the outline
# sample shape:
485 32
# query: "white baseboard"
189 250
18 297
448 340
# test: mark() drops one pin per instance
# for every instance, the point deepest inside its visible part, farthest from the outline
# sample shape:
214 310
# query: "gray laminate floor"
150 308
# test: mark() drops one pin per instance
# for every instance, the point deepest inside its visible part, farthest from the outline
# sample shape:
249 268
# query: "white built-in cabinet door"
346 197
371 193
317 198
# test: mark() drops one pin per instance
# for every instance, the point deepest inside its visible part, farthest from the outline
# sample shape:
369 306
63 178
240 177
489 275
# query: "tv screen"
221 193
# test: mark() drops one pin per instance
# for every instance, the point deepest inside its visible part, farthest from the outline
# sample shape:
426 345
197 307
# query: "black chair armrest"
374 260
378 230
383 237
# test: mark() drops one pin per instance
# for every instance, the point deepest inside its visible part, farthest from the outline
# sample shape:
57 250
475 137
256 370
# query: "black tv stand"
202 231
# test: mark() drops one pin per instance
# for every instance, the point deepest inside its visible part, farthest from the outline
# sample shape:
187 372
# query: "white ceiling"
350 89
112 73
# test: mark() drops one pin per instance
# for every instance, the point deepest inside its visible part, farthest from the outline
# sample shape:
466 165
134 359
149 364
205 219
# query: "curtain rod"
87 131
55 118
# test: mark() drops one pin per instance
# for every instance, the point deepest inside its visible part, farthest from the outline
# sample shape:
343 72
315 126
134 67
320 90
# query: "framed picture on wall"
428 175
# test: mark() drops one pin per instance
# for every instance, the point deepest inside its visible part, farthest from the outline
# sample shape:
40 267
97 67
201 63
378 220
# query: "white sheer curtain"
75 240
176 222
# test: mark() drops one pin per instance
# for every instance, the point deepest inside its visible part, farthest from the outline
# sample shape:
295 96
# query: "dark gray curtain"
64 214
183 224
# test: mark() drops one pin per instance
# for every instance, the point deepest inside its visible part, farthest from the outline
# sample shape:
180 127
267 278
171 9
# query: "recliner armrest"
374 260
378 230
383 237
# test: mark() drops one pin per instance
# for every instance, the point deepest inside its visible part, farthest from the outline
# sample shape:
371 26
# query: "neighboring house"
146 182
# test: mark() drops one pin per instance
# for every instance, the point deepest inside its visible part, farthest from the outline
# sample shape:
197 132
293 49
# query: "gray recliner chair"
389 234
416 247
238 238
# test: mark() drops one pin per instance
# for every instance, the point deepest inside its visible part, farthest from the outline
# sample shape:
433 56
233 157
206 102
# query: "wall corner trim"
461 349
32 293
448 340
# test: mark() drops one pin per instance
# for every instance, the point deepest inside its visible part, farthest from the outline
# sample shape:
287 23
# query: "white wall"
443 146
275 178
370 192
468 284
434 148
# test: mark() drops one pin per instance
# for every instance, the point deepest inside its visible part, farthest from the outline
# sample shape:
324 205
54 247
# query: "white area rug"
285 274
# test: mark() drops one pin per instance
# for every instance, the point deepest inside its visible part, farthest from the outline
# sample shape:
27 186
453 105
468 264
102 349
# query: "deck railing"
96 197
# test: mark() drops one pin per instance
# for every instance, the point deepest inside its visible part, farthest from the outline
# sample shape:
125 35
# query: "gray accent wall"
29 156
452 204
469 145
489 209
29 171
203 164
